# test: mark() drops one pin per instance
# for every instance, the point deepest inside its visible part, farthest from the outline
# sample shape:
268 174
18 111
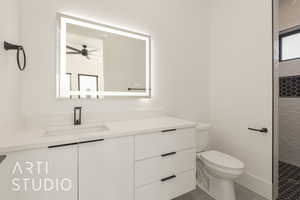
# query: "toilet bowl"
217 172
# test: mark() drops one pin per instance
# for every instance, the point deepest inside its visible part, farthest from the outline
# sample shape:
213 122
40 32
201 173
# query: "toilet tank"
202 136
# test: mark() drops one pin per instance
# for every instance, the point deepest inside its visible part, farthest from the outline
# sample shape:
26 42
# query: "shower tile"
289 182
289 86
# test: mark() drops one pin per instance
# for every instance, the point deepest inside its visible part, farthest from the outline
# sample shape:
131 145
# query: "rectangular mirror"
96 60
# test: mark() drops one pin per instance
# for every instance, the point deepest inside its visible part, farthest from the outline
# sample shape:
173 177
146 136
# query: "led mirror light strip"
103 93
64 20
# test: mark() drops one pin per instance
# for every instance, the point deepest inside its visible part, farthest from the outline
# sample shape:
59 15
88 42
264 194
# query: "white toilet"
216 171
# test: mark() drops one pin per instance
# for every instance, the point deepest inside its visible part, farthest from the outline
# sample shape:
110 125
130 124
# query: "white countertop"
30 139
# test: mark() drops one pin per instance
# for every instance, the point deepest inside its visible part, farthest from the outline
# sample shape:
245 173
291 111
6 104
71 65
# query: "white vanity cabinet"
142 166
40 174
100 169
165 164
106 169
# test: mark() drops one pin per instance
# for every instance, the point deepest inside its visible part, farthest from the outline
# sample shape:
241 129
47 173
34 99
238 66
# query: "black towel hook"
9 46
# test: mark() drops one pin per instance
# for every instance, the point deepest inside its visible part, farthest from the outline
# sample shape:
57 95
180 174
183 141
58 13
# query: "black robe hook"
9 46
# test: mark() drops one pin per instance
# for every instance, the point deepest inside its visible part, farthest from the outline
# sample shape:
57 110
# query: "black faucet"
77 115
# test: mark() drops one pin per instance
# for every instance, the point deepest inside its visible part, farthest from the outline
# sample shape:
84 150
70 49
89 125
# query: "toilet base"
219 189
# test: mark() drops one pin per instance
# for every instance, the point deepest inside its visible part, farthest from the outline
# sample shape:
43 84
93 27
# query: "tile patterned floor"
241 194
289 182
195 195
289 187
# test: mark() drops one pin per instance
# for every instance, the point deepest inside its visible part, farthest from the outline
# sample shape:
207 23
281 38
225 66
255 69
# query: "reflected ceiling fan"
84 51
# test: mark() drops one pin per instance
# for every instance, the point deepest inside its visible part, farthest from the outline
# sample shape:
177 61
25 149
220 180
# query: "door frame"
275 92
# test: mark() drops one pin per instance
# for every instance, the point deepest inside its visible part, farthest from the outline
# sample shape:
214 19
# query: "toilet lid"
222 160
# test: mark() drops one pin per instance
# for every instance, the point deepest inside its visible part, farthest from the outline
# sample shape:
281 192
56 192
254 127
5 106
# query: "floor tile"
242 193
289 182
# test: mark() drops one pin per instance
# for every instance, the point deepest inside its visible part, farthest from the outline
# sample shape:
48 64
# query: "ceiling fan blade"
74 49
73 53
90 51
95 55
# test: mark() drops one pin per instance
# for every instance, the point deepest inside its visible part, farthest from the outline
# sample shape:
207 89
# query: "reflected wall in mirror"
98 60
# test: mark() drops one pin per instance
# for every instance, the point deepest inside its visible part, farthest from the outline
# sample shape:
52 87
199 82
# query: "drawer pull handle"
91 141
168 154
74 143
62 145
168 130
168 178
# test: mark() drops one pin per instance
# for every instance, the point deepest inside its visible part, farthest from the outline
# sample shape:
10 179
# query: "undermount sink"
75 130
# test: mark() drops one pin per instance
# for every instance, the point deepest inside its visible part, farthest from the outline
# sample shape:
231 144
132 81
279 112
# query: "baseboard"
257 185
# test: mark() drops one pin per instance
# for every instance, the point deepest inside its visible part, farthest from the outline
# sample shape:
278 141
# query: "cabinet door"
41 174
106 170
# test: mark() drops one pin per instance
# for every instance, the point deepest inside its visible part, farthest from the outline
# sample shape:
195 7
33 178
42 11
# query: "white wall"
9 73
185 69
289 108
179 53
241 86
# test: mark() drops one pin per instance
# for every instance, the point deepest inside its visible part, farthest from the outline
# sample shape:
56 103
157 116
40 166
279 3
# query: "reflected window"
289 45
88 83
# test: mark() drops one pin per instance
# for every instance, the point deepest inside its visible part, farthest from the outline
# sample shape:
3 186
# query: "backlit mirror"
97 60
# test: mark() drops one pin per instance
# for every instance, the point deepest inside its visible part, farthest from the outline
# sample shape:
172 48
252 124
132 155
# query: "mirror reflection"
98 60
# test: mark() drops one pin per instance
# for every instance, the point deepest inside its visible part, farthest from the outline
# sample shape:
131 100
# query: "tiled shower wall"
289 119
289 108
289 127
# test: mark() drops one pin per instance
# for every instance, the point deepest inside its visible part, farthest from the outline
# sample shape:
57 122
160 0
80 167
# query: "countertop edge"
112 134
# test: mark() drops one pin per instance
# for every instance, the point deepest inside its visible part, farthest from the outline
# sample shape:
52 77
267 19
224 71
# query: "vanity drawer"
151 170
168 189
156 144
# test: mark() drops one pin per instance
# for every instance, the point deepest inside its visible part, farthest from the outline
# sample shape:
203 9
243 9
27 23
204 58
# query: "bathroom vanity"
146 159
149 159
